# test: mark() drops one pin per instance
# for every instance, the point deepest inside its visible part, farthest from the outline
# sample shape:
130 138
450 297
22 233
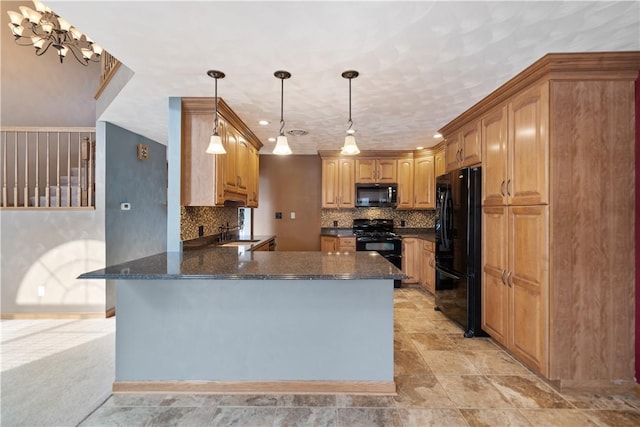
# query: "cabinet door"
528 142
528 285
346 183
242 160
424 183
365 171
347 244
428 271
452 152
387 171
253 178
405 184
330 174
411 260
495 292
494 164
440 166
328 243
470 145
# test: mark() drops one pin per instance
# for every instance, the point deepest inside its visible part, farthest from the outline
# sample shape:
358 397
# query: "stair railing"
50 167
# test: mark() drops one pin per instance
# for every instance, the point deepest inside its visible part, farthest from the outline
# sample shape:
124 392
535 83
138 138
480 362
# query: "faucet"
225 232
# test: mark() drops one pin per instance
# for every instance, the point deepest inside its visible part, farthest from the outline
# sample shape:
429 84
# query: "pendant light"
282 146
350 148
215 142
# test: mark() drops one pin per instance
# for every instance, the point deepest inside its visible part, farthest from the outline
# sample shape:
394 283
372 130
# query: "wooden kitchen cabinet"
464 147
376 171
440 165
428 266
411 251
338 183
211 180
253 178
337 244
515 280
551 219
424 182
405 184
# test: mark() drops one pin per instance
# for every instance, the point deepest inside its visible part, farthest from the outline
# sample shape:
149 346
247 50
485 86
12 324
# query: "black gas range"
377 235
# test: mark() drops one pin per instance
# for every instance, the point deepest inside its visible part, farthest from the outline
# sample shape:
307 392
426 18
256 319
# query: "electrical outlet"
41 291
201 231
278 215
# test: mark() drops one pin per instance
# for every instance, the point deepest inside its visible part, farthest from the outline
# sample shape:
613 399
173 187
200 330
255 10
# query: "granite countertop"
234 263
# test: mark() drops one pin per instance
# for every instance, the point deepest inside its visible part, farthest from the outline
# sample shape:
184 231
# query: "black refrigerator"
458 245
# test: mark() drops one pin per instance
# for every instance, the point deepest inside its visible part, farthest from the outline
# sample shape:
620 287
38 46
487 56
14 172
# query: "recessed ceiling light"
263 122
437 135
420 148
272 139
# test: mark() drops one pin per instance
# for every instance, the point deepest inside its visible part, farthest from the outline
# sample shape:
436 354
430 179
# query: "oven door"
391 250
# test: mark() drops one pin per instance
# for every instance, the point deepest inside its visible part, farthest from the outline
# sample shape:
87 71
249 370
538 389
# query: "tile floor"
442 379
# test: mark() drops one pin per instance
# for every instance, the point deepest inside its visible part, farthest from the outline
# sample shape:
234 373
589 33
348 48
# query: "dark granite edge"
207 241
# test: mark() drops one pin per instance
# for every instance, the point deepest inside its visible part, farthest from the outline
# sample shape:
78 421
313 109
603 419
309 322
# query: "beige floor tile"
601 401
473 344
495 418
364 401
608 418
496 363
410 363
402 342
243 416
558 417
421 391
312 400
528 392
432 417
449 363
428 342
473 391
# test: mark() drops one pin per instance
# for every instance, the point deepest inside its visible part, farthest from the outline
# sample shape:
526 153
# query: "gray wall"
142 230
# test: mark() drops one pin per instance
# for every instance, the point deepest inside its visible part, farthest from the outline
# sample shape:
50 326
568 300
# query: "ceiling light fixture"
437 135
282 146
43 28
215 142
263 122
350 148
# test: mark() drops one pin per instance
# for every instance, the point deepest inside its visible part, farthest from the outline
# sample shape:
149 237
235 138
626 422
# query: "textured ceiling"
421 63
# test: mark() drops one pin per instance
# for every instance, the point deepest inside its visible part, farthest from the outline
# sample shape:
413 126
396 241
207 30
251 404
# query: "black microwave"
376 195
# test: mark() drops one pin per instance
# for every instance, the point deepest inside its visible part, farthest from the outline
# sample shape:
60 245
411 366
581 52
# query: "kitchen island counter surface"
235 263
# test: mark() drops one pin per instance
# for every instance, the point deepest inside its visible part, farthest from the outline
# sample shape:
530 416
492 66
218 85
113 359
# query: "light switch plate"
293 215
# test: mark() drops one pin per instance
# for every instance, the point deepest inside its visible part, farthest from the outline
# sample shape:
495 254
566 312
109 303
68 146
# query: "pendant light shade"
350 148
215 142
282 146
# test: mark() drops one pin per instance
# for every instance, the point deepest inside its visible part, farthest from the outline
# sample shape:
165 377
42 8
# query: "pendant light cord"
281 106
350 121
215 100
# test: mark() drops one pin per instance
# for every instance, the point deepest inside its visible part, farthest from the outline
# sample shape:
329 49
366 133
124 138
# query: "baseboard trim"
15 316
262 387
110 312
594 386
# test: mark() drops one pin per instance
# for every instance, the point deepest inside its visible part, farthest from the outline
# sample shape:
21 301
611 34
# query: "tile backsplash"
211 218
345 217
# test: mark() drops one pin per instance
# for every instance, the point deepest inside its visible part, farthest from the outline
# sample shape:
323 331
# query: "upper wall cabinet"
372 171
212 180
424 183
338 186
463 147
440 165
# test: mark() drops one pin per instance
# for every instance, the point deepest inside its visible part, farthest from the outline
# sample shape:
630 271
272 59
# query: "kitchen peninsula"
227 319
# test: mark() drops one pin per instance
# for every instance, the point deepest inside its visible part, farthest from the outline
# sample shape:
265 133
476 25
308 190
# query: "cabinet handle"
502 277
509 279
502 188
508 185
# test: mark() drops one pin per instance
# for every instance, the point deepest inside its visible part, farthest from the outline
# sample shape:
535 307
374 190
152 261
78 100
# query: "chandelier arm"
80 60
41 51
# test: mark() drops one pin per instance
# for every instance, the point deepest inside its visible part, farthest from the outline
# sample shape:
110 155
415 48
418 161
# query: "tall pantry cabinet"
558 273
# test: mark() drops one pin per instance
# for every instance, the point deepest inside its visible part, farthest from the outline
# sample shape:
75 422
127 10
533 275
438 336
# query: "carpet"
61 389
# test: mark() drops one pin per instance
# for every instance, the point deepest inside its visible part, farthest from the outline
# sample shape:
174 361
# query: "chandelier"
43 28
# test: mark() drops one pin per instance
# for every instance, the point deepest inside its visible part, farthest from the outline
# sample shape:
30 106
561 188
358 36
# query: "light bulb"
215 145
282 146
350 148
